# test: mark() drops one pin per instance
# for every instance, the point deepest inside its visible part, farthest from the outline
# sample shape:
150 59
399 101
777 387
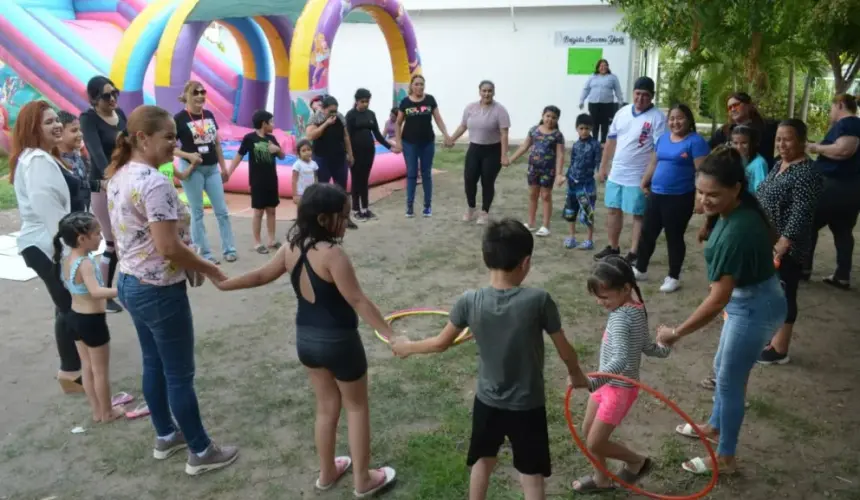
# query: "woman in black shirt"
101 124
362 127
742 111
414 136
789 196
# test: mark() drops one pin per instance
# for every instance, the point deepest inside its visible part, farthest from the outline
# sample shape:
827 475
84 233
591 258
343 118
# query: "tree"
836 28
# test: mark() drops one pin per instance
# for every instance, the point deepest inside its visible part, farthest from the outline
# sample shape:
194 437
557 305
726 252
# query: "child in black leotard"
327 337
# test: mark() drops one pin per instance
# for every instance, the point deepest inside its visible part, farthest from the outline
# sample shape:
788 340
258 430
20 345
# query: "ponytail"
121 154
58 254
613 272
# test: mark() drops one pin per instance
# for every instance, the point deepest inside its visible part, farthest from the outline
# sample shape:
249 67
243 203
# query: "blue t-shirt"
756 171
848 126
676 172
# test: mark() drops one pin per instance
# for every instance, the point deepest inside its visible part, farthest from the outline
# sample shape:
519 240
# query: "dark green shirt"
740 246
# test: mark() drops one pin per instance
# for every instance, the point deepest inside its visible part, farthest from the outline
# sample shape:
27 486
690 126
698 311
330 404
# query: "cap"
644 83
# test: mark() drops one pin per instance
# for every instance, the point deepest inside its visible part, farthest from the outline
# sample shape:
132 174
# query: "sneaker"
528 227
606 252
370 215
543 231
359 217
113 306
166 448
410 213
212 259
468 215
215 457
427 212
350 224
639 275
231 257
483 218
630 258
586 245
770 357
261 249
570 242
670 285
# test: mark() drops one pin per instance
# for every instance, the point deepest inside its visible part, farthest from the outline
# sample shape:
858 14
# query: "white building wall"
460 47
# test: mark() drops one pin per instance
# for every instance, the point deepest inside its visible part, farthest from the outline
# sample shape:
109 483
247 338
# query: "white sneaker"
543 231
640 276
483 218
528 227
670 285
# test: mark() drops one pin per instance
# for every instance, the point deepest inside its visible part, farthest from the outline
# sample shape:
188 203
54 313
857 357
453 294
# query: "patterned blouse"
790 199
543 153
137 196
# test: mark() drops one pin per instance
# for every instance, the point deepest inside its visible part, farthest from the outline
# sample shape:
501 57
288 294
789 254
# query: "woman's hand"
506 160
782 246
396 149
812 148
400 346
666 335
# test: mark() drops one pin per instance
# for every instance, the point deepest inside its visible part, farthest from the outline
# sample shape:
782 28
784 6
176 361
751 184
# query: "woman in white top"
43 199
601 90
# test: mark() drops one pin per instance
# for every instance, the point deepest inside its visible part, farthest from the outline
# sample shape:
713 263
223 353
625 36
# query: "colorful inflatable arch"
311 48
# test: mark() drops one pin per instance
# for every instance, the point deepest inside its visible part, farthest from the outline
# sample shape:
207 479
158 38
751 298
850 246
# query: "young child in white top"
304 170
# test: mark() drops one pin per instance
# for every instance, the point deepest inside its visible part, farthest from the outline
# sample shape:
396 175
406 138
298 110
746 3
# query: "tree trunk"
842 81
804 105
791 91
753 70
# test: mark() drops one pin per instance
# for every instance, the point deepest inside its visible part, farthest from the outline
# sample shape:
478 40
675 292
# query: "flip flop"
121 398
588 486
630 477
687 431
389 476
709 383
142 410
343 464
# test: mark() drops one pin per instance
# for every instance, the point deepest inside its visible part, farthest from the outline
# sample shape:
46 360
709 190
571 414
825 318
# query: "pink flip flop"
343 464
389 476
121 398
142 410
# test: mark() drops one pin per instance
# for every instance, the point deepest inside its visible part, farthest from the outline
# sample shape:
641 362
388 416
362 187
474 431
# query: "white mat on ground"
12 266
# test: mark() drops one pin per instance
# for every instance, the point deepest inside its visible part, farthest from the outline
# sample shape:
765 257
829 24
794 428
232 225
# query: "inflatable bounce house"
50 49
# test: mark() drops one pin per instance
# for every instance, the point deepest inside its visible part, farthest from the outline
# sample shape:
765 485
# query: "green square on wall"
582 61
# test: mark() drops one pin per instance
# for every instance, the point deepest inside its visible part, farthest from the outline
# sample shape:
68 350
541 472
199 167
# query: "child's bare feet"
115 414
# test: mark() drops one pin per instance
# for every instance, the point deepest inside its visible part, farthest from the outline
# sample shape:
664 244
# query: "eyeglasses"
734 106
107 96
199 92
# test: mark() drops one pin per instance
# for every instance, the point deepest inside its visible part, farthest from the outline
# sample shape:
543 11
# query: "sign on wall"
589 39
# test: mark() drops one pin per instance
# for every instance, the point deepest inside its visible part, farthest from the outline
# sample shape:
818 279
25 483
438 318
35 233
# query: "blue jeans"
332 169
754 314
162 318
207 178
419 155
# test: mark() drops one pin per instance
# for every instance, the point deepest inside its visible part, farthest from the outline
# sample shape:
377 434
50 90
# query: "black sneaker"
370 215
351 225
606 252
630 258
359 217
113 306
770 357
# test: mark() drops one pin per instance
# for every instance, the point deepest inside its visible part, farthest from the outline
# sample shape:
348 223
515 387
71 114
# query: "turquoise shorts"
629 199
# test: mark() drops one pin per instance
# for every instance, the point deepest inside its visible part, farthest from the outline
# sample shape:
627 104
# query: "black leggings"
363 162
671 212
790 272
602 114
837 209
483 163
39 262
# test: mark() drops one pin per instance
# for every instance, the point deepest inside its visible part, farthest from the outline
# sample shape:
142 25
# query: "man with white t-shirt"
632 135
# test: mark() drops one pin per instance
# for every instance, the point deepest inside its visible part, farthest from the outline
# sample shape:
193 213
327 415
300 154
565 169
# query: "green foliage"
7 192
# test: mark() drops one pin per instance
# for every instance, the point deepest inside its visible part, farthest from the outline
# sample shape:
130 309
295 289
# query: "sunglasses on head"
199 92
107 96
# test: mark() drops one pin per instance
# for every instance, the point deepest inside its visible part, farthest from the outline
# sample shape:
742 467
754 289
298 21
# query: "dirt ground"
800 440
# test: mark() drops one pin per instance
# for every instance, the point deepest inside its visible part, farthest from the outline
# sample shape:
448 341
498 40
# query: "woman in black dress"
362 127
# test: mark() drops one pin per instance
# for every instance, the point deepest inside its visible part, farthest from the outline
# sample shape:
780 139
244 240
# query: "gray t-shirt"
508 326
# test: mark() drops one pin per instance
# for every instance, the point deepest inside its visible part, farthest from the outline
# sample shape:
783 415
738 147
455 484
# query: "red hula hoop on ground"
632 487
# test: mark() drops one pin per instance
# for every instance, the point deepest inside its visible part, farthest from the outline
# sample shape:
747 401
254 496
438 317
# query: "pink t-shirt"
137 196
485 123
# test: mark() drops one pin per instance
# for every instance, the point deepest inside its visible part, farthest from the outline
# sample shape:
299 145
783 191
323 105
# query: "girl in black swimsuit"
327 337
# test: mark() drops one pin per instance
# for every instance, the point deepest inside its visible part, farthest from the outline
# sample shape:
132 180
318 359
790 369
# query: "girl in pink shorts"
625 340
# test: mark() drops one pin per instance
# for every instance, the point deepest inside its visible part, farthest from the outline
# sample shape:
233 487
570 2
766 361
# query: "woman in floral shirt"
152 238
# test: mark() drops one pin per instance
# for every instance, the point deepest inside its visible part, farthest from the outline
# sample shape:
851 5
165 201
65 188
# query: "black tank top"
329 309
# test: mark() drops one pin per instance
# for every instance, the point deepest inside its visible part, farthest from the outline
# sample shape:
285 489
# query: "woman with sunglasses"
101 124
742 111
202 169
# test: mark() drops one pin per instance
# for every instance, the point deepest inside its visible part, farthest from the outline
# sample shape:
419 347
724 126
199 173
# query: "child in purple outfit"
546 160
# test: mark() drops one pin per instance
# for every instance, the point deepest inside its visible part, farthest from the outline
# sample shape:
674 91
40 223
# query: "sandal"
142 410
343 464
709 383
275 246
121 399
837 283
587 485
697 466
261 249
687 431
631 477
388 477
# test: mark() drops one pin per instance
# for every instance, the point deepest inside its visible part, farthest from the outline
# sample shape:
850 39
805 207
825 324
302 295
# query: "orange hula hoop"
632 487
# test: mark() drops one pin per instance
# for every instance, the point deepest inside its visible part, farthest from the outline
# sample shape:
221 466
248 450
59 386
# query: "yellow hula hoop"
464 336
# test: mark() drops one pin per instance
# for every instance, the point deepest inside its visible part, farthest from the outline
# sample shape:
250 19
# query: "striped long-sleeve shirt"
625 340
